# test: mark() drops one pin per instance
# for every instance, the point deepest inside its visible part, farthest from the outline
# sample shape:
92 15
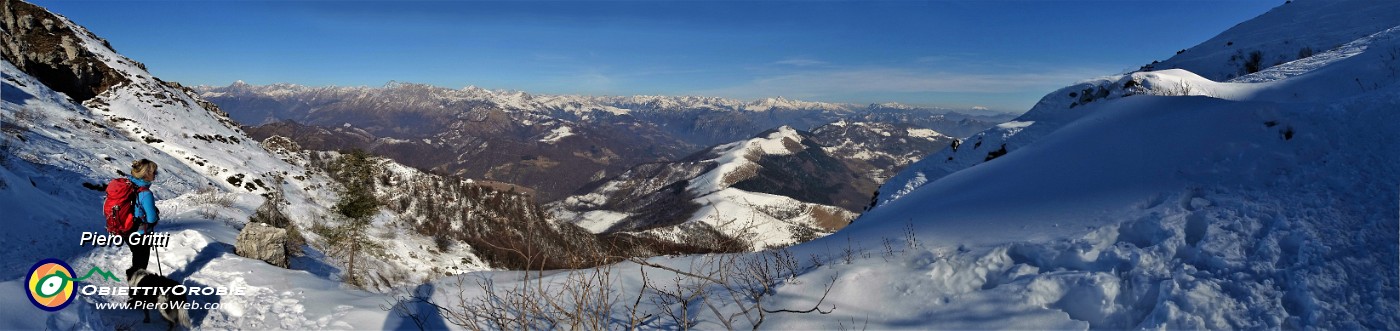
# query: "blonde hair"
144 169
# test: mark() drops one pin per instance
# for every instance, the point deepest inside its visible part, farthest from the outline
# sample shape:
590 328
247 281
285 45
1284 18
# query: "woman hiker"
143 172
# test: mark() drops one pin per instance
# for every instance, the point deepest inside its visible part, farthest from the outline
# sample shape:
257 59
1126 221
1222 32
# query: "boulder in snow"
263 242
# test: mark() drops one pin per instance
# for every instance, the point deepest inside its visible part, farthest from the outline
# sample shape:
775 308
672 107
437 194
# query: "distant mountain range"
555 145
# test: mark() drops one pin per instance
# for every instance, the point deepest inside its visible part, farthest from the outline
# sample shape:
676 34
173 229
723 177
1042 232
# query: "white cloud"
904 80
801 62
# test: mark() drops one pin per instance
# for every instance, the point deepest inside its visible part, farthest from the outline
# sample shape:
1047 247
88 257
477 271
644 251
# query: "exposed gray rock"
263 242
36 43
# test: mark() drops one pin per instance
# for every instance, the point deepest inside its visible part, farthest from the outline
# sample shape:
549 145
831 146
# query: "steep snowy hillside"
197 146
1295 30
57 152
76 114
1284 25
1172 201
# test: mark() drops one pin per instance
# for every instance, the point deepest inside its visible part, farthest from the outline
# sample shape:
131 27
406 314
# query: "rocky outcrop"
263 242
38 43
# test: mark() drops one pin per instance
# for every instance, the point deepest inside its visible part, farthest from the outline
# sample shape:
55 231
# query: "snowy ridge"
1069 104
759 219
779 188
1054 110
734 162
1288 32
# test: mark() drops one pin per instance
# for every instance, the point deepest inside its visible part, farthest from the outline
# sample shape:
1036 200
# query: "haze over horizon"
999 55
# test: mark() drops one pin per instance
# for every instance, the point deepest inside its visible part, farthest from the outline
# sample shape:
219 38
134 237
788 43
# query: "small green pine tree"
356 209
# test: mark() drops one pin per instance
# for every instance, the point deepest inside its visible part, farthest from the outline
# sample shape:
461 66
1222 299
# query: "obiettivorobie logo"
51 287
50 283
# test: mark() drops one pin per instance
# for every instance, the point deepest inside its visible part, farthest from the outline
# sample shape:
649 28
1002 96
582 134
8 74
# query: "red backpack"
120 206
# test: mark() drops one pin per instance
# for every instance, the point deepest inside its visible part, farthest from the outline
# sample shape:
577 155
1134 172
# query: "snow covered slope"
1166 200
58 148
1294 30
68 145
1333 29
55 148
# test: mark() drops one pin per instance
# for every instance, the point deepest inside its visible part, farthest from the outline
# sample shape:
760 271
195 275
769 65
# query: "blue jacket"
145 202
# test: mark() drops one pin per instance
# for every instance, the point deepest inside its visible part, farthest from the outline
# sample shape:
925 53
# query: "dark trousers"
140 258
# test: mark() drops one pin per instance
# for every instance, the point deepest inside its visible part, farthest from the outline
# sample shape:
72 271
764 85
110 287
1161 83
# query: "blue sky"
1000 54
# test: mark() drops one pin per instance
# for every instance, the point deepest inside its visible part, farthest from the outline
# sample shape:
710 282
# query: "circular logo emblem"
50 284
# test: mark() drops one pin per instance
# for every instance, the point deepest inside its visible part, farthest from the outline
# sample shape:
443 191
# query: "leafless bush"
591 299
842 326
1181 88
682 291
744 280
207 198
1254 62
580 299
848 254
889 248
911 238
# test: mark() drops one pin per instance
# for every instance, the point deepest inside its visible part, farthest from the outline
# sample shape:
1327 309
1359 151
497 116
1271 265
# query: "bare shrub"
208 198
1181 88
911 238
1254 62
589 299
1305 52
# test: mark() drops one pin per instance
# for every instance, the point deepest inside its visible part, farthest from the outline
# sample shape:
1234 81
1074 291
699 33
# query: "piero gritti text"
154 239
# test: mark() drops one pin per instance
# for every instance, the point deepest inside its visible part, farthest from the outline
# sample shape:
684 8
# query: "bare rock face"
40 44
263 242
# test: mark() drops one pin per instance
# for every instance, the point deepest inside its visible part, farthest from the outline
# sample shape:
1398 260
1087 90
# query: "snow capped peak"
781 103
735 161
782 141
892 105
578 105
